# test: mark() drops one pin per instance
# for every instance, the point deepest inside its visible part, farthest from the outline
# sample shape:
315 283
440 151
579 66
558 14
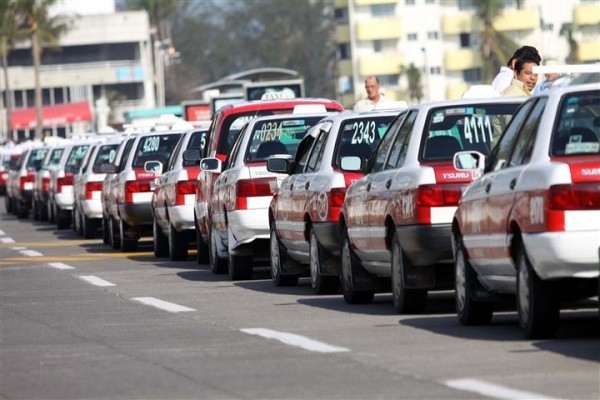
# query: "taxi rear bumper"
426 244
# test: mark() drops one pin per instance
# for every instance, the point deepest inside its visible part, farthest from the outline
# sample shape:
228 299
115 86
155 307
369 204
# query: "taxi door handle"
388 184
292 186
512 184
488 187
307 185
369 186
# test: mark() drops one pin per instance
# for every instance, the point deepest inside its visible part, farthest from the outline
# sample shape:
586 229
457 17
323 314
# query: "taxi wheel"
278 258
105 231
63 218
35 210
43 212
405 300
80 218
469 310
202 256
75 219
319 283
160 241
349 264
51 214
89 227
178 244
537 301
127 245
22 210
113 235
8 203
217 265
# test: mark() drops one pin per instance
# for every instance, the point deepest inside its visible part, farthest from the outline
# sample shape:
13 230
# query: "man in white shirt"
373 96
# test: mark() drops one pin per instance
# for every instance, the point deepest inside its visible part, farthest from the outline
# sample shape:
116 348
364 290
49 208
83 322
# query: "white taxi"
531 225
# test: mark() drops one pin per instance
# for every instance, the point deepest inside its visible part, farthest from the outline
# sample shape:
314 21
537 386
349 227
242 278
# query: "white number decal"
536 210
203 140
112 155
475 129
363 132
151 144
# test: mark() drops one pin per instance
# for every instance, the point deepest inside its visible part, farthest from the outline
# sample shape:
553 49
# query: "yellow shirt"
516 88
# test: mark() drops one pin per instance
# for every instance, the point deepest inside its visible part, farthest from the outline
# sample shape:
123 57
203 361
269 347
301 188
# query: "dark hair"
528 53
520 64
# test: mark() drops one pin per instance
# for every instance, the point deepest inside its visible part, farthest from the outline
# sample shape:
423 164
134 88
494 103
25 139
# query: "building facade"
441 38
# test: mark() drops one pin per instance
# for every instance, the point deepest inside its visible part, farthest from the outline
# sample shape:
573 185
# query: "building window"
472 75
546 26
412 37
410 2
388 80
383 10
341 15
465 40
465 5
429 1
377 46
344 51
435 70
432 35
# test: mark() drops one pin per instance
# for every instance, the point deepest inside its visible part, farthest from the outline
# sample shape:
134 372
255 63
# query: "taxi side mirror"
107 168
469 161
210 164
280 164
351 163
153 166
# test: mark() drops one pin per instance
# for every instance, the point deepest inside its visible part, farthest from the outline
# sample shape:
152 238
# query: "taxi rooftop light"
309 108
281 95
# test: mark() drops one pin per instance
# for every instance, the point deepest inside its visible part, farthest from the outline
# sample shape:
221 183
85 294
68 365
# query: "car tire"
405 300
51 213
22 210
320 284
160 242
202 256
80 218
115 242
8 203
127 245
537 301
43 211
35 210
468 310
105 231
350 263
217 265
278 258
178 244
89 227
63 218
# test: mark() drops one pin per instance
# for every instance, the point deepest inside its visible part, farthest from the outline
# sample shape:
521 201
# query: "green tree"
44 31
414 78
495 47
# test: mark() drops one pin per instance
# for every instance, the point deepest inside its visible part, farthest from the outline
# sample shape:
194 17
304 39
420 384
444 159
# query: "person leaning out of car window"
524 79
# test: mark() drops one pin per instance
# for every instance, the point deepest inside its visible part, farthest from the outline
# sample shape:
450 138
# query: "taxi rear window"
36 158
75 158
455 128
577 127
106 154
232 126
155 148
360 136
281 136
55 156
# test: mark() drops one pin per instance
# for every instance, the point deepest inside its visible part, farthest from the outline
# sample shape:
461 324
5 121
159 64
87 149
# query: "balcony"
342 33
384 28
340 3
345 67
384 64
460 60
586 14
371 2
589 50
456 91
509 20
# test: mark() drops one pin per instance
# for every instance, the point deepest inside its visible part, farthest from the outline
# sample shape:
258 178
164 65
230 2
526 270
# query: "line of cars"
498 199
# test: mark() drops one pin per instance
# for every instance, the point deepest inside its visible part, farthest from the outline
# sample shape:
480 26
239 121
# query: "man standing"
373 96
506 74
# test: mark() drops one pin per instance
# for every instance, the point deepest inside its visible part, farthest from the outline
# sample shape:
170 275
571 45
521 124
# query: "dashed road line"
7 240
163 305
94 280
295 340
493 390
2 232
59 265
31 253
18 248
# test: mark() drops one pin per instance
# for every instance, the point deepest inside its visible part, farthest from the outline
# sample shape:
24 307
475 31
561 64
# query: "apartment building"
441 38
103 59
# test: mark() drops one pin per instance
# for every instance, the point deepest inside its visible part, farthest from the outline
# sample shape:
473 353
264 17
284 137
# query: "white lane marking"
2 232
18 248
163 305
295 340
7 240
31 253
60 266
492 390
94 280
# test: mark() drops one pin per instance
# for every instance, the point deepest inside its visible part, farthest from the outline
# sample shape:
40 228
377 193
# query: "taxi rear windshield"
75 158
360 136
281 136
455 128
36 158
106 154
577 128
155 148
55 157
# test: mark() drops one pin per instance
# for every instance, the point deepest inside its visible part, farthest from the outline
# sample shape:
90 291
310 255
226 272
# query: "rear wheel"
43 211
468 309
537 302
321 284
349 264
115 242
217 265
22 210
105 231
89 227
178 244
127 244
8 203
160 241
278 258
405 300
35 210
202 250
63 218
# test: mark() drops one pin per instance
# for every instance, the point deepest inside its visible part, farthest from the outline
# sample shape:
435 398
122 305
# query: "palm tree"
44 31
495 47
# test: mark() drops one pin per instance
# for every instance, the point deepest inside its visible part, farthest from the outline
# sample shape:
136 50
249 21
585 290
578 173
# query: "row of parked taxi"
498 199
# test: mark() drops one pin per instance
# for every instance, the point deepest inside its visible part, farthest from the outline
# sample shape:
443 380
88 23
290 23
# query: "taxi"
243 190
41 185
304 212
530 226
20 179
173 199
395 221
225 126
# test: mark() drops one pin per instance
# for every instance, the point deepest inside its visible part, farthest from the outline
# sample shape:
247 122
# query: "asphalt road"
81 321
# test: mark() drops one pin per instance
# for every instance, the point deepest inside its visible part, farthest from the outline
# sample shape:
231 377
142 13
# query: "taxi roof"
276 104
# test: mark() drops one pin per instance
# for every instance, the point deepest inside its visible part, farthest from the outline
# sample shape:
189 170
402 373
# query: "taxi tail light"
257 187
183 188
132 187
336 201
569 197
92 187
26 182
64 181
3 176
435 195
45 184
